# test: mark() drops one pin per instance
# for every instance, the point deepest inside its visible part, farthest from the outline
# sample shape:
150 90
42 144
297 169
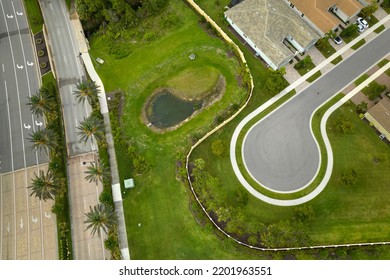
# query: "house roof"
317 11
267 23
381 113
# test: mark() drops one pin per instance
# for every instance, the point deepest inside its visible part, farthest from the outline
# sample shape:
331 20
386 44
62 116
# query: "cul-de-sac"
194 129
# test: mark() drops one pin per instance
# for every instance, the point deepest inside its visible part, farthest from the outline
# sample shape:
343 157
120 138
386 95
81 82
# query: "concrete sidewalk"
115 183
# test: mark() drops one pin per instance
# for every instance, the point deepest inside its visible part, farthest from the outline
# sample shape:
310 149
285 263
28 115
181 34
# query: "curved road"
279 151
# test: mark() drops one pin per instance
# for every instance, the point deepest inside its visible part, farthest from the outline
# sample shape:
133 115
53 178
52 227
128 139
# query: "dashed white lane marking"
2 66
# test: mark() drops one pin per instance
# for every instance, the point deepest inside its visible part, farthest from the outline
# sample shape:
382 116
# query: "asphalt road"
18 81
65 51
27 229
280 151
69 71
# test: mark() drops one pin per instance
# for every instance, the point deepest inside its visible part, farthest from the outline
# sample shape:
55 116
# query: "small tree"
275 81
343 125
90 127
350 31
349 177
43 139
369 10
361 108
96 172
386 4
86 91
303 63
43 186
218 147
101 216
303 213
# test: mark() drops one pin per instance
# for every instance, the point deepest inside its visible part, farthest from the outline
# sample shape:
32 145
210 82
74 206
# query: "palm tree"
96 172
90 127
41 102
45 139
86 91
101 216
44 185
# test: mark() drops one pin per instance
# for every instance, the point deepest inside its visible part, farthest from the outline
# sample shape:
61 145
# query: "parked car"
362 22
360 27
337 40
382 136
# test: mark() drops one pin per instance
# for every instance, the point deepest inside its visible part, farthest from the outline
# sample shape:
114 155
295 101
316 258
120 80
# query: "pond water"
169 110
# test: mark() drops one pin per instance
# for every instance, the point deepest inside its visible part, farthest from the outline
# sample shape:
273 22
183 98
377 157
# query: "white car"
362 22
360 27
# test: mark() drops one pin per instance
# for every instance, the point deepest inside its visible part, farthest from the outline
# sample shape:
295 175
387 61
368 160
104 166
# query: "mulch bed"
44 59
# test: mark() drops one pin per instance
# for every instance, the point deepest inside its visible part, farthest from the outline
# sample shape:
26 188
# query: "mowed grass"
34 15
194 82
343 214
354 213
158 215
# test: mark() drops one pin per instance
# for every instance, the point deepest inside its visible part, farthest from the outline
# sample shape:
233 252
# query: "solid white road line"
21 119
12 163
33 125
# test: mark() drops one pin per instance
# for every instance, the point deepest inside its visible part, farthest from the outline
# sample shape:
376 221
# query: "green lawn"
383 63
342 213
304 68
158 211
34 15
380 29
326 49
355 213
337 60
361 79
315 76
160 203
193 82
358 44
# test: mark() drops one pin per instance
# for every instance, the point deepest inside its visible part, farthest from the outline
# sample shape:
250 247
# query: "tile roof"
381 113
267 23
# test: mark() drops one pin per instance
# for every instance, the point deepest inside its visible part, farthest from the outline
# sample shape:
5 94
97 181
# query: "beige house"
379 116
326 15
273 30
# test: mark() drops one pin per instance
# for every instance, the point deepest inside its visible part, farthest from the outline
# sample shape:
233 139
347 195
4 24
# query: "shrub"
373 90
350 31
349 177
218 147
343 125
303 63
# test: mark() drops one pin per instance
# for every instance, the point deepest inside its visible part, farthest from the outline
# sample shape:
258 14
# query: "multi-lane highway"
69 70
27 229
19 80
280 151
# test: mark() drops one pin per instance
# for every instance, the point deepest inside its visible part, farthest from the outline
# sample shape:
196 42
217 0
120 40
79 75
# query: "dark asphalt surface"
18 80
69 71
280 152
